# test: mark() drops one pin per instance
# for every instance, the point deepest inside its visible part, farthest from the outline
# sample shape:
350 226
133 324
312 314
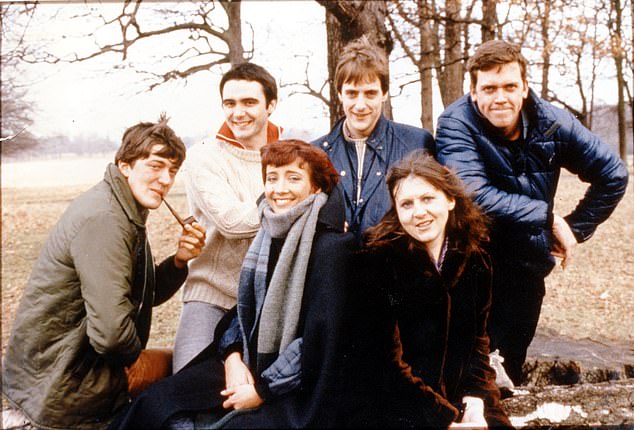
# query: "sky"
81 99
98 98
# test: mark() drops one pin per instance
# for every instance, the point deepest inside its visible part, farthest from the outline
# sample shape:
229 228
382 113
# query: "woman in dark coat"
420 350
277 362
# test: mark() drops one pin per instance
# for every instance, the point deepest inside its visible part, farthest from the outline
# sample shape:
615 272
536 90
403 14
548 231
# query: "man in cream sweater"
223 180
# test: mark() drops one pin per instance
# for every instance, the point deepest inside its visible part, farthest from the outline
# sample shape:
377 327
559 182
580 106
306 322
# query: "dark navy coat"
388 143
515 183
315 402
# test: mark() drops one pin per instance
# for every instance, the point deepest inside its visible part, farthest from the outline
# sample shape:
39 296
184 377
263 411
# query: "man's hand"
190 244
565 241
473 417
241 397
236 372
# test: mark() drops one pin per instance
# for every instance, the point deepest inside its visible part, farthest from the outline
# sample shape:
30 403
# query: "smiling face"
246 111
423 211
362 103
499 94
287 186
150 178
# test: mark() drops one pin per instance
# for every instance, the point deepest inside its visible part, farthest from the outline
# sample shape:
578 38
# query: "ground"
592 299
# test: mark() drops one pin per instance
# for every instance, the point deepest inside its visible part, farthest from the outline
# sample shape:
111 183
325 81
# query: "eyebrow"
245 99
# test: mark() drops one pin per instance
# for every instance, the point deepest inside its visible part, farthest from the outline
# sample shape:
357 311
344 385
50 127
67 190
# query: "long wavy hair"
467 226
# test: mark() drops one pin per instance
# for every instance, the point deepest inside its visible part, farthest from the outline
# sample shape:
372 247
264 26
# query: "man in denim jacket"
364 144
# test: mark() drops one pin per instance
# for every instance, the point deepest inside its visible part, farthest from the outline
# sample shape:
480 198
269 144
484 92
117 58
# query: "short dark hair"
467 225
252 72
362 61
138 141
492 54
322 173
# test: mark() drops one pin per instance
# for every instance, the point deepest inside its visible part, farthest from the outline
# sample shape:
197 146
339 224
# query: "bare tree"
616 42
632 67
347 20
409 25
306 87
547 44
489 20
437 36
453 73
17 113
204 43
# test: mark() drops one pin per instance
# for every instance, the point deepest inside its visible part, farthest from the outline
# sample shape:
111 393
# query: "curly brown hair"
467 225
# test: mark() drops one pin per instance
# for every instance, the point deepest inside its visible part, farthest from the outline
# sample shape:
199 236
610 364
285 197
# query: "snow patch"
551 411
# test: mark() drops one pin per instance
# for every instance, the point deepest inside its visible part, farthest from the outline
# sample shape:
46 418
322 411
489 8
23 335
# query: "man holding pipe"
84 320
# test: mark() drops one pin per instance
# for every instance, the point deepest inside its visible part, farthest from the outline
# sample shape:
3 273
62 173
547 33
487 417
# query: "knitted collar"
273 133
348 136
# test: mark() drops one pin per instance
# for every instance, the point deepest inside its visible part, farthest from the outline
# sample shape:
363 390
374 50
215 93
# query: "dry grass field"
593 298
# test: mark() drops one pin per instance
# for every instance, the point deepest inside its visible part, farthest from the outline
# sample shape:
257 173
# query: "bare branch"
204 45
305 86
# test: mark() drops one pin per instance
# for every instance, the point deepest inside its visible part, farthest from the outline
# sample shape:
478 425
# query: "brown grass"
592 298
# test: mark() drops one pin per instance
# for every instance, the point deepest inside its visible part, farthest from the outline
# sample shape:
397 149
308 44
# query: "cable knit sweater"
223 182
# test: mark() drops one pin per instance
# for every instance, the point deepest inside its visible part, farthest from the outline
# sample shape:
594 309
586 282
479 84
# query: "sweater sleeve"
106 287
210 188
169 279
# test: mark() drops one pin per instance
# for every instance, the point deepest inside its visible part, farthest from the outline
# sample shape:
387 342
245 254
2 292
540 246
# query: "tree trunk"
234 31
454 68
617 53
335 46
424 70
632 63
349 20
545 26
489 19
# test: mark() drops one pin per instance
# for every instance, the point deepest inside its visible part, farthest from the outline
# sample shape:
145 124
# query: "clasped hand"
240 390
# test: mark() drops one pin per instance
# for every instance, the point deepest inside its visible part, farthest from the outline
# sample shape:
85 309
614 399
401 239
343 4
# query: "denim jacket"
388 143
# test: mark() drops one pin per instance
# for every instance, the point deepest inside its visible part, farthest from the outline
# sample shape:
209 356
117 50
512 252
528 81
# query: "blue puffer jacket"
515 183
388 143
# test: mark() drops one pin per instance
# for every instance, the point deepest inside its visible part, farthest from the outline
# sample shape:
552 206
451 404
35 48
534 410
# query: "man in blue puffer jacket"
363 145
508 146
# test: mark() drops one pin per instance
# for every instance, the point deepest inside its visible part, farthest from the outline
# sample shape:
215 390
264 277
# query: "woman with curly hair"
419 355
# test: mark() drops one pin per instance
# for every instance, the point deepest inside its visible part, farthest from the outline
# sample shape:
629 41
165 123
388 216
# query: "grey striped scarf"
281 303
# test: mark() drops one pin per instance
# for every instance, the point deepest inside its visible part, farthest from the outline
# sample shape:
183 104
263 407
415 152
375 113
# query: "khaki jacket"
86 311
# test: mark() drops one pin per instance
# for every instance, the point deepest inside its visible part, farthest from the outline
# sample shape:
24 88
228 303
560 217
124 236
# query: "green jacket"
86 311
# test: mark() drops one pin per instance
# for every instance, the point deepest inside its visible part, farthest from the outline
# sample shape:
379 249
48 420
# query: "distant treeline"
29 147
25 146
